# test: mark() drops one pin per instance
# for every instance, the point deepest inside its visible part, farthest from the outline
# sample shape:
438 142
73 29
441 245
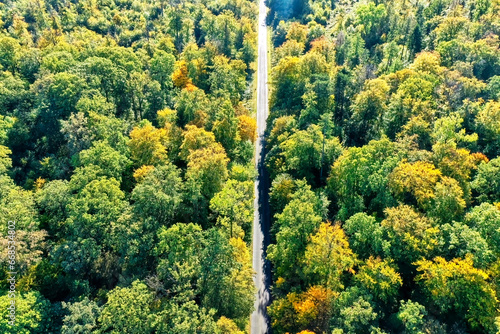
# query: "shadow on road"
265 224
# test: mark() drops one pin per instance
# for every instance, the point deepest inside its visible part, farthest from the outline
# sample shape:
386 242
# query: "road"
259 319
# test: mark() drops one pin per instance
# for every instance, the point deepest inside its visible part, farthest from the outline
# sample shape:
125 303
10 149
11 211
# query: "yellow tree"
380 278
180 76
414 181
148 145
195 138
308 312
456 287
247 128
328 255
207 167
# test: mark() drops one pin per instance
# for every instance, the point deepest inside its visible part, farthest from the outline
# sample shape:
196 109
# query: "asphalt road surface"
259 319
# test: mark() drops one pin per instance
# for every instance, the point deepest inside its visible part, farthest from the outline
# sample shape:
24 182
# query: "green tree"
82 317
128 310
159 194
235 202
448 203
411 235
32 313
368 110
412 315
485 219
380 278
112 163
365 235
359 178
486 184
300 218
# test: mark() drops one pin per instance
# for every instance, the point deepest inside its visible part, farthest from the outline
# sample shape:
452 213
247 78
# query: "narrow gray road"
260 320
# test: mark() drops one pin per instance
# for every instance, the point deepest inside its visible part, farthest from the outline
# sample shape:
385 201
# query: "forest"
383 150
127 138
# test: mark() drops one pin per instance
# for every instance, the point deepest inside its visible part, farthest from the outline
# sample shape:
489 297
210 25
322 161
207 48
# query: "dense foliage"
384 154
126 145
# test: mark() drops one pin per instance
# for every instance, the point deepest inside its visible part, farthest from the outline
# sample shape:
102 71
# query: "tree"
300 218
162 68
184 318
411 235
302 153
458 289
353 312
235 202
448 203
82 317
412 314
76 133
247 128
485 219
94 232
368 110
9 53
225 276
178 249
191 105
228 78
52 200
180 76
111 162
370 19
227 326
207 168
487 181
32 313
288 90
380 279
159 194
458 240
414 183
310 309
359 178
195 138
225 126
128 310
365 235
18 205
445 131
281 192
456 163
328 256
148 145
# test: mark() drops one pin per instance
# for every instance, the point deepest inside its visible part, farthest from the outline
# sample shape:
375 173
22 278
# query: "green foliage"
410 234
487 181
412 316
32 313
327 256
411 93
235 202
110 161
159 194
358 179
380 279
82 317
127 310
299 219
365 235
